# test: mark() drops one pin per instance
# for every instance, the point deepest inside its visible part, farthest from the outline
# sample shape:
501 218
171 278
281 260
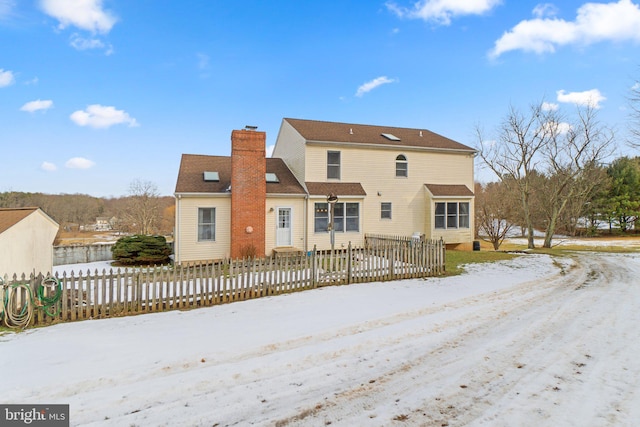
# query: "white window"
385 210
333 165
346 217
206 224
451 215
402 166
321 217
440 215
463 215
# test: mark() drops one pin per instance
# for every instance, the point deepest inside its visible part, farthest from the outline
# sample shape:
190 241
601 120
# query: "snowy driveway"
528 342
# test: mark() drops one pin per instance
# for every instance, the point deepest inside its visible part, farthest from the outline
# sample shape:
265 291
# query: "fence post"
392 264
314 278
443 256
349 262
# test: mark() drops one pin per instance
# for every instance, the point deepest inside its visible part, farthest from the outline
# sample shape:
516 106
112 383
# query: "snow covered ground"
529 342
628 242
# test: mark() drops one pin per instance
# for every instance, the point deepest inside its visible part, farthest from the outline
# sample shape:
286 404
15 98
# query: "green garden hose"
49 304
17 302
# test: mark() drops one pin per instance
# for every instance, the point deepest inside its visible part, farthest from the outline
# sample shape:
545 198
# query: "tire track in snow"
331 354
476 373
491 359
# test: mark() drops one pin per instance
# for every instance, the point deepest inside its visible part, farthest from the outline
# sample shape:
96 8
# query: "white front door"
283 232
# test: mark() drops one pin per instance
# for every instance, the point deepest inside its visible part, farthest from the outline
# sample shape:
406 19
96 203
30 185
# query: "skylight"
390 137
272 178
211 176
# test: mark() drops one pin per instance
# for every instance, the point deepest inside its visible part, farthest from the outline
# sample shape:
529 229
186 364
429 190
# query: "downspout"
306 223
176 233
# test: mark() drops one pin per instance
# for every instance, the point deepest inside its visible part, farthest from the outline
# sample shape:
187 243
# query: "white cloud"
563 128
550 106
636 86
595 22
48 166
557 128
100 116
441 11
80 43
545 9
6 7
79 163
84 14
37 105
369 86
6 78
588 98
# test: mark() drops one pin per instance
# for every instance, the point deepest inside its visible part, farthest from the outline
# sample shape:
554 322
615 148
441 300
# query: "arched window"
402 167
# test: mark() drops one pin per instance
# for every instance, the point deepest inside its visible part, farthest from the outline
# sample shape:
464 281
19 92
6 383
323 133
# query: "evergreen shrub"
141 249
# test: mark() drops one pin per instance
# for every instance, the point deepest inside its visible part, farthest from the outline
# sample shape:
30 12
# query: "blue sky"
95 94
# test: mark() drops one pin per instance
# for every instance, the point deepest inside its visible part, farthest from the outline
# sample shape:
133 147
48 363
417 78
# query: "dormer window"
402 166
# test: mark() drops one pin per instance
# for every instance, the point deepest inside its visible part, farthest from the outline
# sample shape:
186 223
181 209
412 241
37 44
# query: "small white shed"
26 241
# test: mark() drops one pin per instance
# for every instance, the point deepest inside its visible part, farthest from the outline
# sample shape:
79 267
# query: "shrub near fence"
125 292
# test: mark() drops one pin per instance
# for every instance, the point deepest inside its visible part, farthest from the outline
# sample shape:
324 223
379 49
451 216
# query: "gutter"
306 223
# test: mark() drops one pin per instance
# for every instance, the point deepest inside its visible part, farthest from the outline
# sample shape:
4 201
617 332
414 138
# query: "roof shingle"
446 190
337 188
193 166
320 131
11 216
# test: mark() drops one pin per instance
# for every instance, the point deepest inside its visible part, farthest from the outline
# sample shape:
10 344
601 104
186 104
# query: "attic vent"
390 137
272 178
211 176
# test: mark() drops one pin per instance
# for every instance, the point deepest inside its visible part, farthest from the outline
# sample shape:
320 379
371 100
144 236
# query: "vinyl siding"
375 170
322 240
27 247
290 147
297 206
187 228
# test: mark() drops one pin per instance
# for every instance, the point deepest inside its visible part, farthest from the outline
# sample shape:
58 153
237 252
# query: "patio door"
283 232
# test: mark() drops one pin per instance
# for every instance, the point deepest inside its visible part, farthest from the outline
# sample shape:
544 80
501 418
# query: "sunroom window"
451 215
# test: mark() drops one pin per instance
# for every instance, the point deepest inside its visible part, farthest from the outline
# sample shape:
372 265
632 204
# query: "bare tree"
573 155
492 213
634 104
142 210
514 156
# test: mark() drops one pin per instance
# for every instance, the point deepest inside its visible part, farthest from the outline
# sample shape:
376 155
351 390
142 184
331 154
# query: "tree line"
142 211
555 175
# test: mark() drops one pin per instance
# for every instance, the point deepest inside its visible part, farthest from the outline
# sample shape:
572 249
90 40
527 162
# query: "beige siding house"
26 241
411 181
387 180
204 212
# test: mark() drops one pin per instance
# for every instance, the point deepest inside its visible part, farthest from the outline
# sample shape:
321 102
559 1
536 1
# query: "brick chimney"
248 193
